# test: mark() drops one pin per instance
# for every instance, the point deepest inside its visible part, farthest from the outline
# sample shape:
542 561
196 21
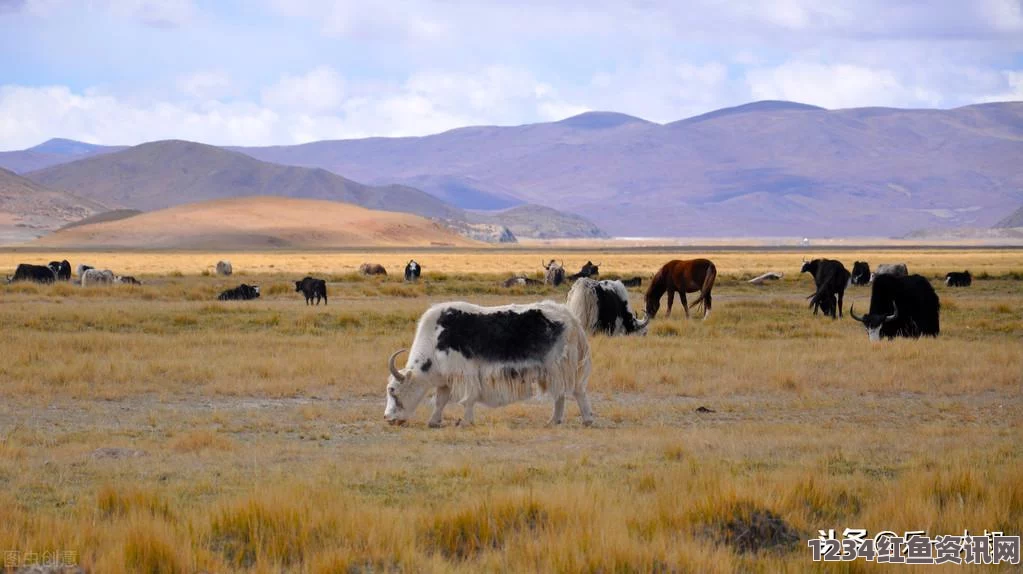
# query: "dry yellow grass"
263 445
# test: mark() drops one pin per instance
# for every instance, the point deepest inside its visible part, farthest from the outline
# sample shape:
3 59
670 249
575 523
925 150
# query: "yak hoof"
588 423
434 424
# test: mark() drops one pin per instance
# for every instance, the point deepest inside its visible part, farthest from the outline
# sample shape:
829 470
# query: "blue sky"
264 72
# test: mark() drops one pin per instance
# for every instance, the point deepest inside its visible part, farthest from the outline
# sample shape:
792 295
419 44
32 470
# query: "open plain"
154 429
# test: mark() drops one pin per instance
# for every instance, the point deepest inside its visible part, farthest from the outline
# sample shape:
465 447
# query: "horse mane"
658 285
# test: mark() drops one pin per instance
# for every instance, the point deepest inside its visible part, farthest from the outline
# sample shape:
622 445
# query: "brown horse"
684 277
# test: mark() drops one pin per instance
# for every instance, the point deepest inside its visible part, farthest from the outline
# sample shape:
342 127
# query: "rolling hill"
765 168
51 152
257 223
28 209
167 173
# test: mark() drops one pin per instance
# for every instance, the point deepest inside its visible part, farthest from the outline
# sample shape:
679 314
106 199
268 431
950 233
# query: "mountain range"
761 169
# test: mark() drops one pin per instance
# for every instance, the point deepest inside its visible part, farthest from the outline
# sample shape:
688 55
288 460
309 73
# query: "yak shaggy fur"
495 356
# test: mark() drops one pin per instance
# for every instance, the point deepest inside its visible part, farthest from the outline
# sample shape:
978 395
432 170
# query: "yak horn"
894 315
545 265
644 322
394 371
853 314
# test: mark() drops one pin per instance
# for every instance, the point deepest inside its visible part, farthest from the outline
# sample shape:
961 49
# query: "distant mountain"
28 209
1015 219
538 222
167 173
766 168
51 152
257 223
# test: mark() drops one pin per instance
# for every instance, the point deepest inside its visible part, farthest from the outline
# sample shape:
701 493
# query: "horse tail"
708 284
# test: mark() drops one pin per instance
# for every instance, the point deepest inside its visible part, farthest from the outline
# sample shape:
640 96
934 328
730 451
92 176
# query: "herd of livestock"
498 355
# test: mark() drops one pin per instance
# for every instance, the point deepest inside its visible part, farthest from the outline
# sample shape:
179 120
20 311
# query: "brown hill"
253 223
28 209
168 173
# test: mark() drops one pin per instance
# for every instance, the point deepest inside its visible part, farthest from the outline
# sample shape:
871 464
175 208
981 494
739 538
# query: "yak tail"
708 284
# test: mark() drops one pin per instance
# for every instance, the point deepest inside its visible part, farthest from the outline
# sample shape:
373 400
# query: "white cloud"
321 89
834 86
157 13
205 85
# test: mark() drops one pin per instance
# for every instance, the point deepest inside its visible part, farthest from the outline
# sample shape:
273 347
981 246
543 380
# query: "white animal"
493 356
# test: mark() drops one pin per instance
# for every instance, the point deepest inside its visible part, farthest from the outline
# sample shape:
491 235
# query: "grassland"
154 429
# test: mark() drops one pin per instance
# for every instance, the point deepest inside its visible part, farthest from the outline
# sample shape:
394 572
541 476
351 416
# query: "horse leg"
671 299
685 304
706 305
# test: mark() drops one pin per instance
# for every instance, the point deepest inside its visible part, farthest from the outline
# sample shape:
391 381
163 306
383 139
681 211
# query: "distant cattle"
61 269
860 273
554 273
492 356
33 273
372 269
242 292
312 288
603 307
520 280
587 270
224 268
127 280
830 277
412 271
95 276
82 268
896 269
633 282
957 279
901 307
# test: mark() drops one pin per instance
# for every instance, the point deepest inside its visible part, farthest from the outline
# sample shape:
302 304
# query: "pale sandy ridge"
261 222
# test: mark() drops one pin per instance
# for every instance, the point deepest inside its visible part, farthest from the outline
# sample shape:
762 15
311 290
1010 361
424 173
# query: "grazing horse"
684 277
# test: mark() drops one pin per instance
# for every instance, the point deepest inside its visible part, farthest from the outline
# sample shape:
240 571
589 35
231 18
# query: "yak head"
874 322
405 390
809 266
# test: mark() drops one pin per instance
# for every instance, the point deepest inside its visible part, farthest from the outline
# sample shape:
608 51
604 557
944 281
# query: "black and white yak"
492 356
61 269
958 279
901 307
554 273
412 271
603 307
860 273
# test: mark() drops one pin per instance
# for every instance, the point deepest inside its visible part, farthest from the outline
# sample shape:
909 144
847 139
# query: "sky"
277 72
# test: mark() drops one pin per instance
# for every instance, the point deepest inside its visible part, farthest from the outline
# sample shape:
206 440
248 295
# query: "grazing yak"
860 273
412 271
493 356
957 279
34 273
61 269
588 270
901 307
242 292
127 280
372 269
896 269
312 288
554 273
603 307
224 268
82 268
94 276
520 280
830 277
